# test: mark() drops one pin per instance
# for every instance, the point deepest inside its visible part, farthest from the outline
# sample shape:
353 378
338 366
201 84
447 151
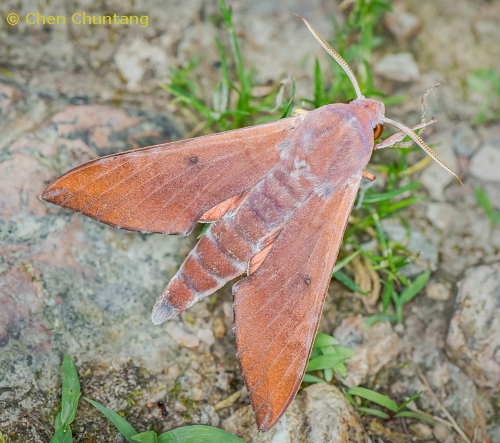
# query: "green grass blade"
387 295
344 261
224 100
347 281
375 412
415 287
123 426
380 234
409 400
325 361
375 397
289 105
341 370
411 414
322 340
70 390
319 99
308 378
484 201
146 437
62 435
378 318
375 198
189 99
198 434
403 204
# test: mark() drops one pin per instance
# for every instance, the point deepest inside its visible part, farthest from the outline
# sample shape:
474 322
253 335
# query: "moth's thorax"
375 109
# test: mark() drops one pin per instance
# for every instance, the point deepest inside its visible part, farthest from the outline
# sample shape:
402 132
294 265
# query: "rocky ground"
68 285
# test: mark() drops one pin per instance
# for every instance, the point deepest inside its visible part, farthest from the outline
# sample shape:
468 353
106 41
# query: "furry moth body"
278 195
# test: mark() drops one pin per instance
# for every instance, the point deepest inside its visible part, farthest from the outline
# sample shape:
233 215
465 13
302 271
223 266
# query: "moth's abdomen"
221 255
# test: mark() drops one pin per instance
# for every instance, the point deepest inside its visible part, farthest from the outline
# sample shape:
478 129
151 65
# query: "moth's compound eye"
349 101
377 132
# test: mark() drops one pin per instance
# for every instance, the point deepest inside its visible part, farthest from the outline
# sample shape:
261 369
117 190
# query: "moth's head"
376 112
375 109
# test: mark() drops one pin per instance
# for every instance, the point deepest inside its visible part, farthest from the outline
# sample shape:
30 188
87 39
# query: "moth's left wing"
277 308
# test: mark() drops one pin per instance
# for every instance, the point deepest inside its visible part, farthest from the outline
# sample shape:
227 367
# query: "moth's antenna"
421 143
336 56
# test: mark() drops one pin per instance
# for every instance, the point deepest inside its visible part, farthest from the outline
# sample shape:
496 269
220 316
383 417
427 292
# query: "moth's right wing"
168 188
277 308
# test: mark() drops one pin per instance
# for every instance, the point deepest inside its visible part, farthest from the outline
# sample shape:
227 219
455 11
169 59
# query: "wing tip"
163 310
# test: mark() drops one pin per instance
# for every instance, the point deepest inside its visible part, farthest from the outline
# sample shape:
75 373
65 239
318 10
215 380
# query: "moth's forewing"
278 307
167 188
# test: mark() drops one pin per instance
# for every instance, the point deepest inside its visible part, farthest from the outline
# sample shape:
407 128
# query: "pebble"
319 413
485 165
398 67
402 24
465 141
182 335
442 215
373 348
437 291
473 340
133 59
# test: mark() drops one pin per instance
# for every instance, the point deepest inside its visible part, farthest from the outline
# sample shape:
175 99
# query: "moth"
278 197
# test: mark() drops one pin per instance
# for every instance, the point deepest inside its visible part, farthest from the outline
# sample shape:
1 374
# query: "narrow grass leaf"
345 260
322 340
328 372
409 400
375 198
387 296
484 201
318 86
316 352
370 321
411 414
70 390
289 104
324 361
415 287
62 435
349 397
308 378
348 281
341 370
403 204
123 426
375 412
198 434
375 397
146 437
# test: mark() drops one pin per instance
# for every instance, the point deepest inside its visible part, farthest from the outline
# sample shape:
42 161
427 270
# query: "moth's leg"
393 139
368 176
365 184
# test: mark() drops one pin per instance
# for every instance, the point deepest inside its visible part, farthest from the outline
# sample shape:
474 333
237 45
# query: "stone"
473 340
437 291
181 335
373 347
442 215
318 414
465 140
485 164
401 23
398 67
435 178
134 59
